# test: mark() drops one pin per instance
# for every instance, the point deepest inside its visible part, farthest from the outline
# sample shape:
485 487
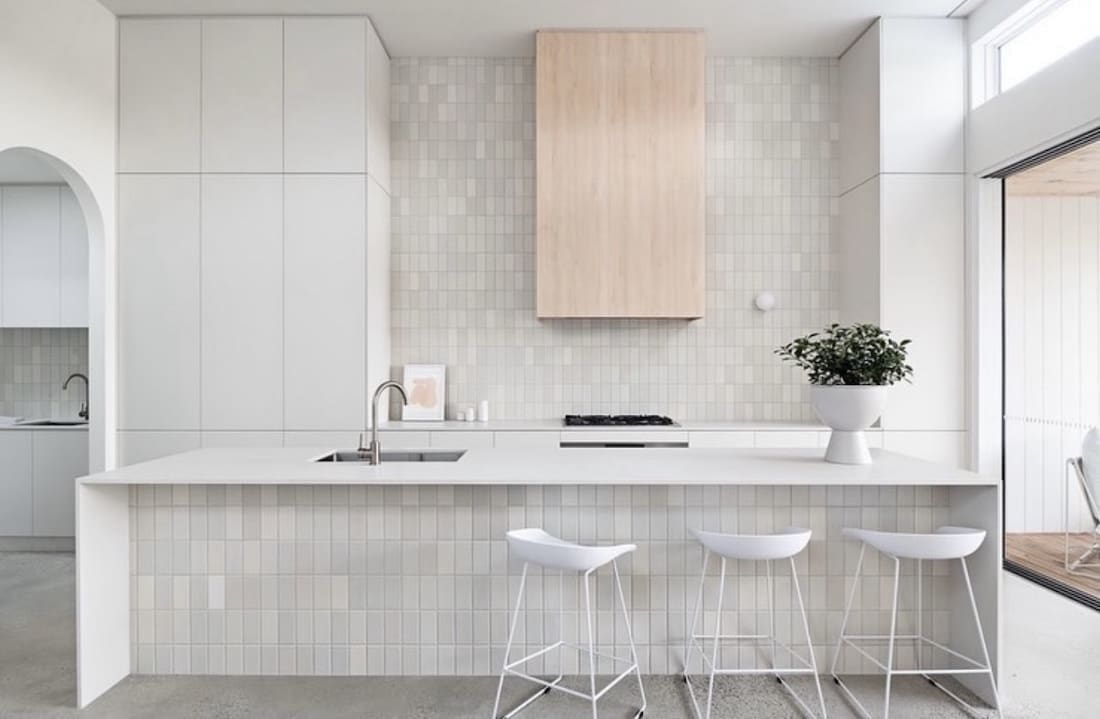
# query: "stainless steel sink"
398 455
52 422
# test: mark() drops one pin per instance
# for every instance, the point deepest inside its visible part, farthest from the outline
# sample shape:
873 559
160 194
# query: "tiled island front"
394 570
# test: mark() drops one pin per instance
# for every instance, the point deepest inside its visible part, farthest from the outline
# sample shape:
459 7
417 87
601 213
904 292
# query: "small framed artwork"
425 385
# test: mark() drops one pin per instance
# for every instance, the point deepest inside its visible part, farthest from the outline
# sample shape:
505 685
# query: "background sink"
52 422
397 455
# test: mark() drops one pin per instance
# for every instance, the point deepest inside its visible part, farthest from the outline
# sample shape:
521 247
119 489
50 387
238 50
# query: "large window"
1058 29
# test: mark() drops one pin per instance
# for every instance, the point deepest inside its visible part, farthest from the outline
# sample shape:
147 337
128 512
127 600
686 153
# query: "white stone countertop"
653 466
542 425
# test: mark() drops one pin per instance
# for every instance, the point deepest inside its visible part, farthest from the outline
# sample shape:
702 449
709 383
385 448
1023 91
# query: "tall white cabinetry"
43 257
901 256
253 229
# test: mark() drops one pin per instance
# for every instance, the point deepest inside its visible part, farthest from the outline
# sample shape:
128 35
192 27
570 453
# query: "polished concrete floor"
37 679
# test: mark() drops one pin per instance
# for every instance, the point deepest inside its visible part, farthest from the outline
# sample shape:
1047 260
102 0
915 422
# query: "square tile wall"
34 364
463 164
417 580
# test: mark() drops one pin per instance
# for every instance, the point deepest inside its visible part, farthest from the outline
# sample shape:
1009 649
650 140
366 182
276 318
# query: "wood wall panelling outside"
620 174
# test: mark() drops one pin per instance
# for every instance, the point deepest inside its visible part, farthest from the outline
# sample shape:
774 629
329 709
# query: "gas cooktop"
617 420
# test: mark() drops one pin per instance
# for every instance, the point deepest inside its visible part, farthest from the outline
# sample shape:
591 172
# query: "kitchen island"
267 561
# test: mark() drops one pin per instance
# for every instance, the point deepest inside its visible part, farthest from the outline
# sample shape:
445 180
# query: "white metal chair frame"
594 696
1083 563
974 667
693 640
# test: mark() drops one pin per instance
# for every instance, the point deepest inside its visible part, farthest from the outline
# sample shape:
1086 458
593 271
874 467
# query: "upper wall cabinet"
326 94
158 95
620 174
903 99
242 95
43 258
378 110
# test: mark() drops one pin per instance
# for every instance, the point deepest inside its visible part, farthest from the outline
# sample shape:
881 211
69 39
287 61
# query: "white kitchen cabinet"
242 95
159 70
326 94
31 255
16 493
158 301
325 309
60 456
923 287
787 439
142 446
242 294
74 262
378 109
460 440
378 290
241 439
526 440
720 440
322 440
405 440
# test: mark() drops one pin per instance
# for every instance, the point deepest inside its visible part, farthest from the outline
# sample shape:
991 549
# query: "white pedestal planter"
848 410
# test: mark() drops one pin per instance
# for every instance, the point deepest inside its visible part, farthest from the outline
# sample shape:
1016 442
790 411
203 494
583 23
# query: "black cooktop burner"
617 420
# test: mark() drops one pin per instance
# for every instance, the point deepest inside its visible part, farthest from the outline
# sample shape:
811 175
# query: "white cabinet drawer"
15 483
625 436
461 440
404 440
720 440
532 440
792 439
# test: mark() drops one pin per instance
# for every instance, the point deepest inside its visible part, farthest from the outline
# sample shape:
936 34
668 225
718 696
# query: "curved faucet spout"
83 413
374 451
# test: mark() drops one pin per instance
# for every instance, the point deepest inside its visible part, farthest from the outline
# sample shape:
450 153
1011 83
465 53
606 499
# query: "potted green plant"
850 369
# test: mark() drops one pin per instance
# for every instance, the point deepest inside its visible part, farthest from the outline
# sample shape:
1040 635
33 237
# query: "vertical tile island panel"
463 153
324 580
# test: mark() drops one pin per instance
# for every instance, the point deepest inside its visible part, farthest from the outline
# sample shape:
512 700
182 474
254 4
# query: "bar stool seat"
535 546
767 548
945 543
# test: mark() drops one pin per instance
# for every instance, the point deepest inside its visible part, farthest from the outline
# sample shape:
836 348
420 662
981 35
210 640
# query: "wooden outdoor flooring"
1045 554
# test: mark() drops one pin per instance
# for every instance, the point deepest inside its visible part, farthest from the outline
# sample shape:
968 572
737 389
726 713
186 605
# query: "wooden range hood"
620 174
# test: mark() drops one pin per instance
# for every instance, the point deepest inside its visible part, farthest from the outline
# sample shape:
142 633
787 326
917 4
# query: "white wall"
57 95
1052 354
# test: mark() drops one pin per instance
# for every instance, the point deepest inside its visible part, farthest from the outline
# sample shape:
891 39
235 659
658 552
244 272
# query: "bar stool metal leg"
893 638
591 643
717 636
630 637
508 648
847 613
689 642
810 647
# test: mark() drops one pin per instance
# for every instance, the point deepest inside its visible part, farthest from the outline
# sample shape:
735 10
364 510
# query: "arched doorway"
101 373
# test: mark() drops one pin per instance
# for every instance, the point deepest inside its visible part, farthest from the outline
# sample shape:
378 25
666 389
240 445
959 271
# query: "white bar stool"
534 546
945 543
762 548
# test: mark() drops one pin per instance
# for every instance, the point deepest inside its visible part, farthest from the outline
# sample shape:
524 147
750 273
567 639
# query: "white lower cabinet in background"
16 505
59 457
526 440
38 471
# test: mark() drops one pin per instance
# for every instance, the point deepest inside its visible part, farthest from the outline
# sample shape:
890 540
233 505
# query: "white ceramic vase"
848 410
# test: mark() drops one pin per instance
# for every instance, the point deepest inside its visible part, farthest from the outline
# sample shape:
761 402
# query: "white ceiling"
19 167
819 28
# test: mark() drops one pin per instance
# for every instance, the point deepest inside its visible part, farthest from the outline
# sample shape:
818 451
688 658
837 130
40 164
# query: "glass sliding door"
1052 369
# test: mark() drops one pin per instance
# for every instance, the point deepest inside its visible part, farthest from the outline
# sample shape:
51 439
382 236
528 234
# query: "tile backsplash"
34 364
463 165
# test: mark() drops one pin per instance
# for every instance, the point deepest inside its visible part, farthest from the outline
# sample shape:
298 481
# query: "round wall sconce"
765 301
